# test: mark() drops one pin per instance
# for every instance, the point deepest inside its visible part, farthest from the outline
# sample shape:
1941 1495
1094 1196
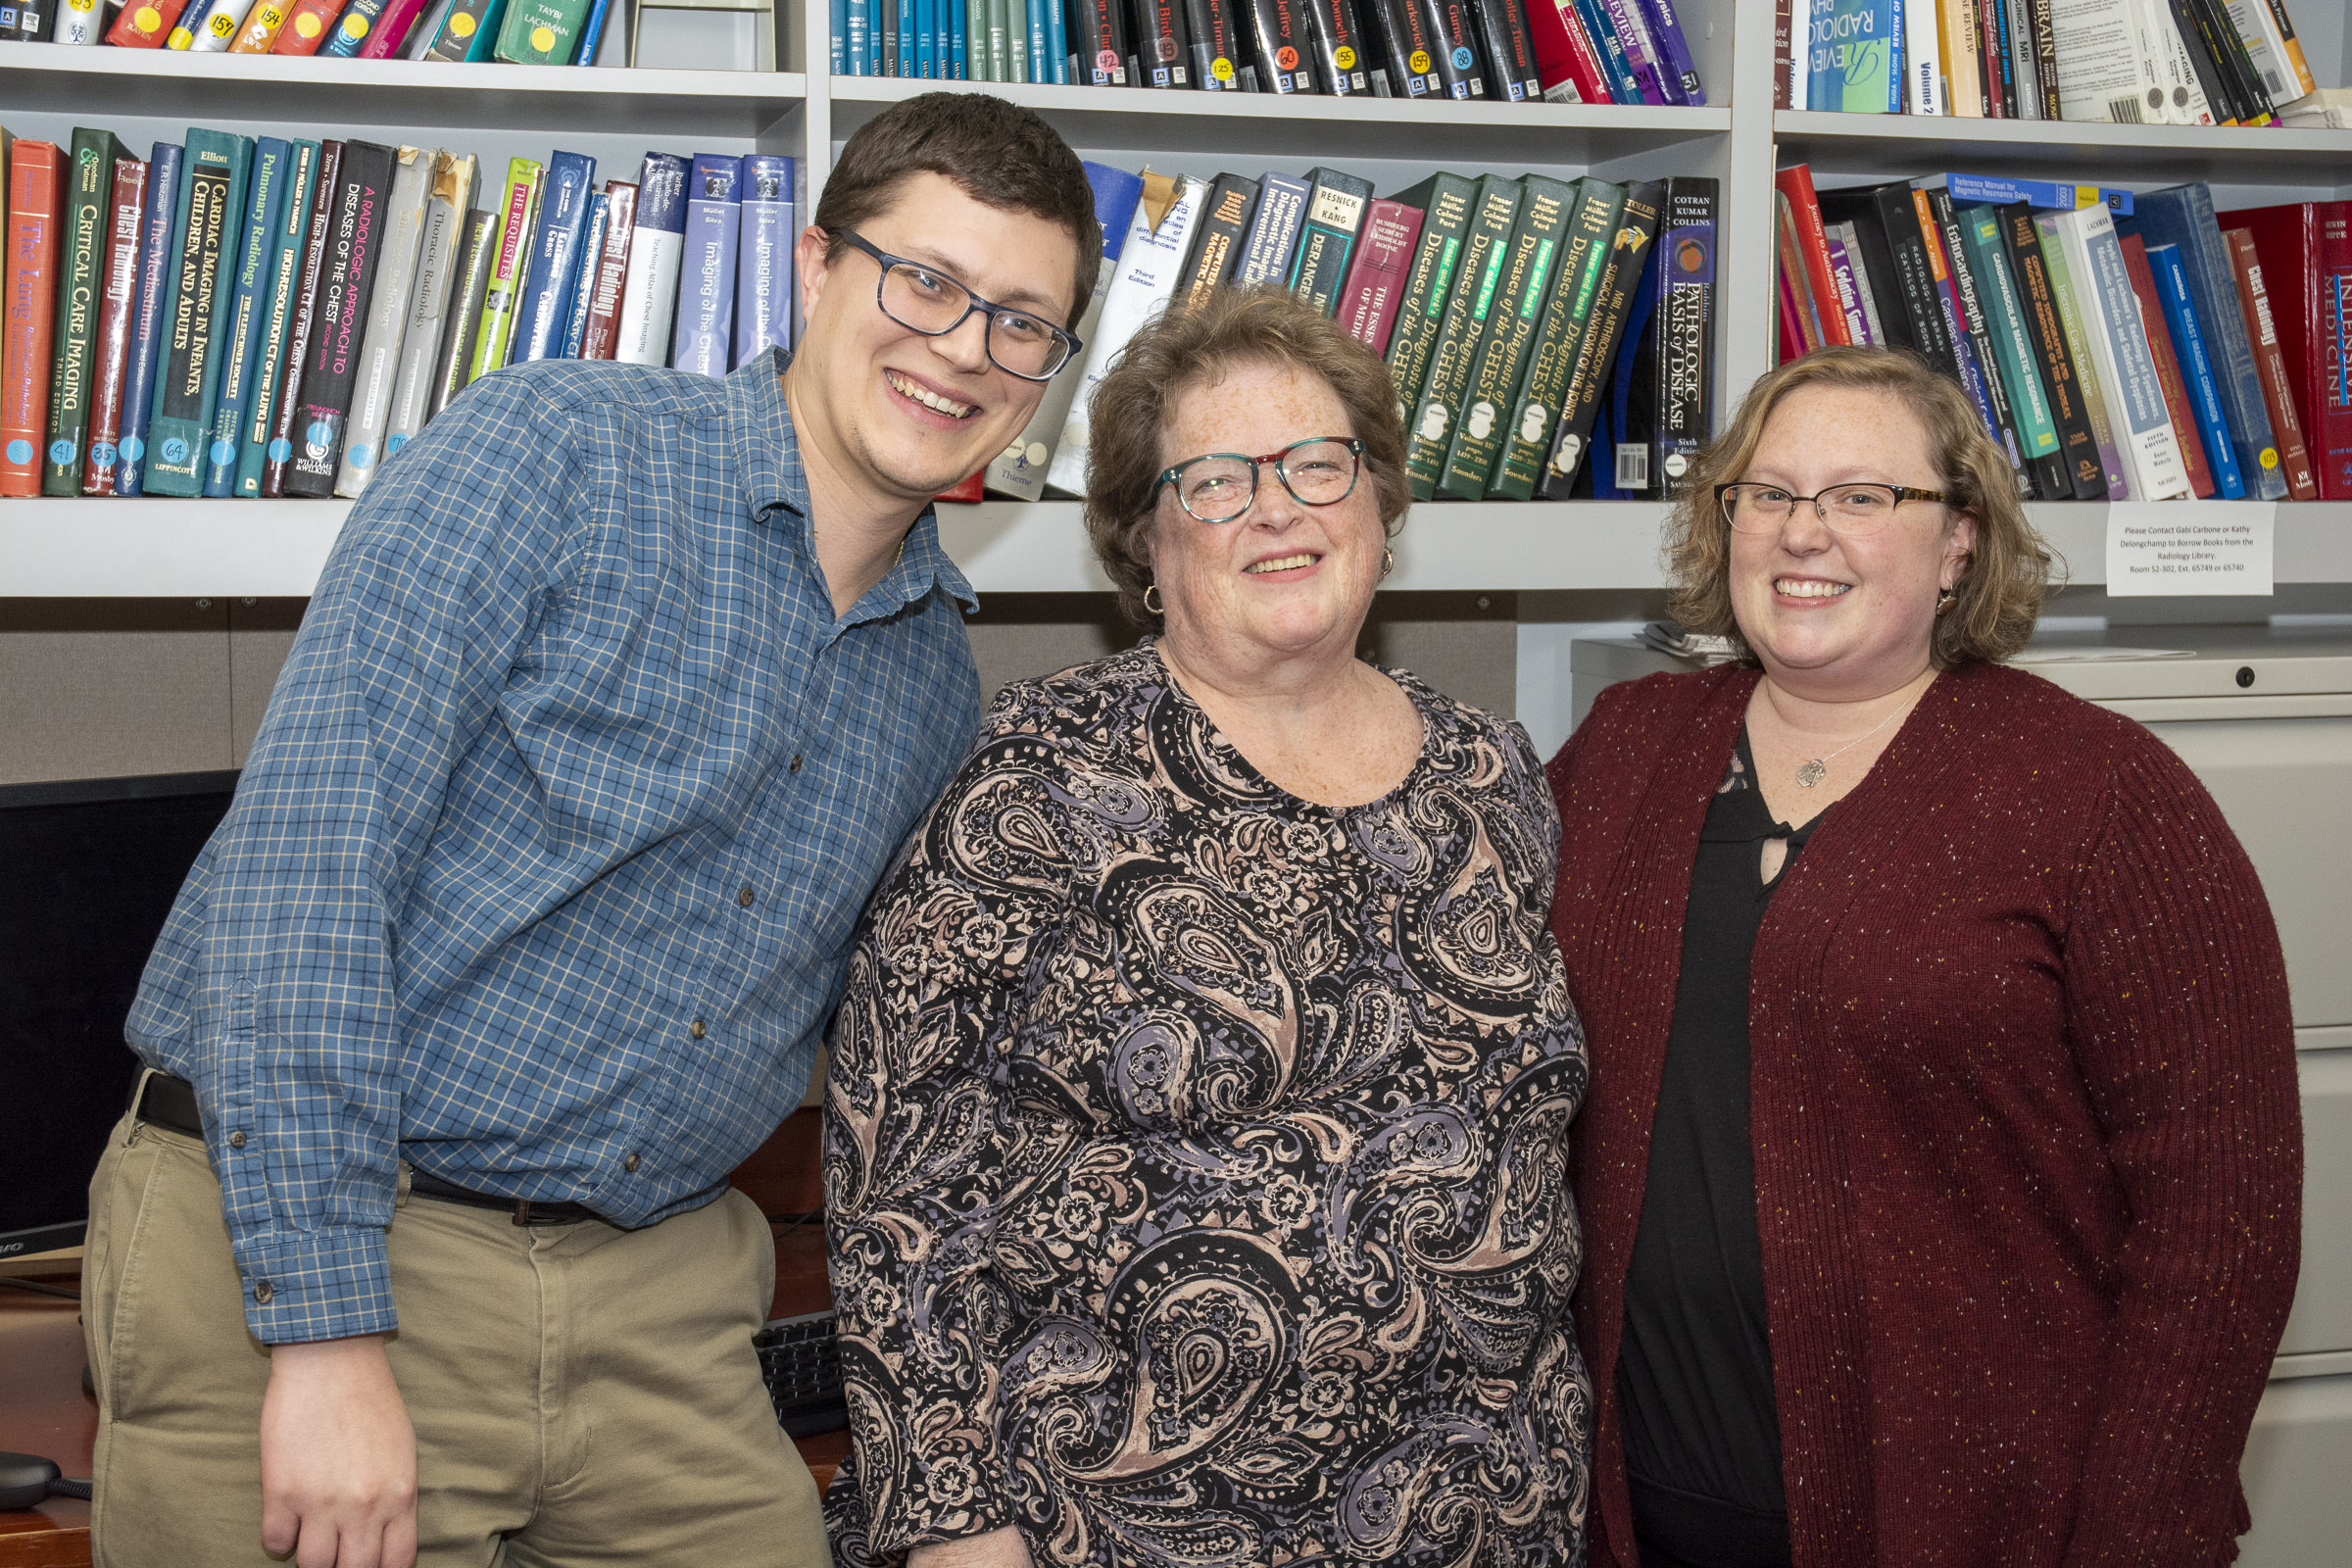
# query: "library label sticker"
2157 548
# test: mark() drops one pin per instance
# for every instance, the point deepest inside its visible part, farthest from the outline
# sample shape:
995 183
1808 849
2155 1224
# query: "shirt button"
629 1164
745 898
697 1029
262 1292
796 762
236 1140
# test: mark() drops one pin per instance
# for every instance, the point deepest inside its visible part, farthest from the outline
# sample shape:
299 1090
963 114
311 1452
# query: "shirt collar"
768 455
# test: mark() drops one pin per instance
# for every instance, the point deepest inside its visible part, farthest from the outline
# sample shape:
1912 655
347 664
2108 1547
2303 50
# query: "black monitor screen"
88 870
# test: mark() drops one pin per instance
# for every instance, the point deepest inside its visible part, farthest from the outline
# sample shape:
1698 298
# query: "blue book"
856 26
1038 41
2048 195
958 19
1676 72
1618 71
839 37
545 305
264 200
2196 368
1273 231
706 320
285 279
1857 57
926 57
592 32
906 37
211 222
147 312
1057 43
583 274
764 262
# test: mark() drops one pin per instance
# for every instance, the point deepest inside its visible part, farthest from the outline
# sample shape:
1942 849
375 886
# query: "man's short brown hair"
998 153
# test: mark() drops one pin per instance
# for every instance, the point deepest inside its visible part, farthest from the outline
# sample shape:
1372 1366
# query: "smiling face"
1283 579
1841 616
888 409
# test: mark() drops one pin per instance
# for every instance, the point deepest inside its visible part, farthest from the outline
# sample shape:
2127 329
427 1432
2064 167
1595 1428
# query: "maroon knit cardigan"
2028 1146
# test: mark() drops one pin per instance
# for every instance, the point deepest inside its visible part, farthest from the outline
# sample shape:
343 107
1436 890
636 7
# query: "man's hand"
338 1458
998 1548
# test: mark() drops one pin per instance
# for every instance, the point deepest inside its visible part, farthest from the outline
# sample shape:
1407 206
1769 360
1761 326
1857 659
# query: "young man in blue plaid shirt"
620 689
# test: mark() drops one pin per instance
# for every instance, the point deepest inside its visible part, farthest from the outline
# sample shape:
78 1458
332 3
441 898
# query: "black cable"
71 1486
39 1289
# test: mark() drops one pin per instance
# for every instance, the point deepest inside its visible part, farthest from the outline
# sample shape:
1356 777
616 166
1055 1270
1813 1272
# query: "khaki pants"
580 1394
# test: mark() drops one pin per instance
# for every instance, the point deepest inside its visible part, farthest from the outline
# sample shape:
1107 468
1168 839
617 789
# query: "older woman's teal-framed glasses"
923 299
1845 509
1219 486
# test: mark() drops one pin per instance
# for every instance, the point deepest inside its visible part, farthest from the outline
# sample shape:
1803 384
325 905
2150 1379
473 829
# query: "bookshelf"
168 548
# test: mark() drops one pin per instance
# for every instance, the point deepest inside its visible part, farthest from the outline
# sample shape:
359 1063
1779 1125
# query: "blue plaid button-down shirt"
550 852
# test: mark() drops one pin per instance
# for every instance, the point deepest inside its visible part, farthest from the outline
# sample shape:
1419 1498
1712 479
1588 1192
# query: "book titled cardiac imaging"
80 261
283 286
249 304
447 207
649 301
147 317
386 318
212 198
36 194
764 262
517 218
706 323
603 331
109 353
544 305
339 322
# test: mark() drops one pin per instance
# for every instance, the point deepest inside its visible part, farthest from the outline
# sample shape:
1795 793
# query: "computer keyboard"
802 1363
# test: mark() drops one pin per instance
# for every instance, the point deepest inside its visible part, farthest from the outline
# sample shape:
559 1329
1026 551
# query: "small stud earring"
1151 600
1946 599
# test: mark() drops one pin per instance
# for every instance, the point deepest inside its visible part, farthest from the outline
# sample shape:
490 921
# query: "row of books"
258 318
527 33
2118 346
1565 50
2139 61
1524 321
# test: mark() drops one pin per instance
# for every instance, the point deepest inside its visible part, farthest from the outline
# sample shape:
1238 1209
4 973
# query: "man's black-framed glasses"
923 299
1219 486
1844 509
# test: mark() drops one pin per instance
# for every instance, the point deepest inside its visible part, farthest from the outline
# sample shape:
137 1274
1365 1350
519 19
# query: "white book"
648 296
1145 277
1923 59
2104 72
2280 68
2120 355
2176 73
421 41
79 21
428 313
1800 53
217 28
387 318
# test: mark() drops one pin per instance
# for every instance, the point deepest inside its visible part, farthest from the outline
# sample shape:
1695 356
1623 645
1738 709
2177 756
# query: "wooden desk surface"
44 1410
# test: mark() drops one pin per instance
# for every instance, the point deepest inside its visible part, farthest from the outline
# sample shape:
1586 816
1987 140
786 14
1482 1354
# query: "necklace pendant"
1813 772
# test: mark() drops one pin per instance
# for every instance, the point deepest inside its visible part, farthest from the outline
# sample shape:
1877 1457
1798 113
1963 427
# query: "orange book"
261 26
145 24
1796 183
35 188
307 26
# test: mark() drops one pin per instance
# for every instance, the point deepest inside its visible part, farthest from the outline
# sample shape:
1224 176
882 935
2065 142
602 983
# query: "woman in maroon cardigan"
1941 1166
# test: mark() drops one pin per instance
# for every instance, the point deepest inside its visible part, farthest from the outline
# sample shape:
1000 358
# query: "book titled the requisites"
764 264
248 309
649 301
147 317
602 334
705 325
80 259
545 303
277 461
445 215
280 288
517 218
339 322
36 192
187 379
386 318
127 223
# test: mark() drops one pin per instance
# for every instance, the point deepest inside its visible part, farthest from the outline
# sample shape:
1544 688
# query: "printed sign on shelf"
2168 547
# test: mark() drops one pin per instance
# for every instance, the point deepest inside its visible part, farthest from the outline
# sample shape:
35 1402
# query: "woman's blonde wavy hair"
2002 583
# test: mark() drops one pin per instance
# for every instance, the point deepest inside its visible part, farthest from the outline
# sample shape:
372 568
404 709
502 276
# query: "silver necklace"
1814 769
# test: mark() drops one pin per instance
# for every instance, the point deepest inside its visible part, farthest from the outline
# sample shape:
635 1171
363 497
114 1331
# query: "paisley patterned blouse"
1195 1154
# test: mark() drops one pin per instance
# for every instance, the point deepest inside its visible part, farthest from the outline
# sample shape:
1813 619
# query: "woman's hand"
998 1548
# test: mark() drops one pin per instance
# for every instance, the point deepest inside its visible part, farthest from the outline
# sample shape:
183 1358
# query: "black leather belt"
170 1102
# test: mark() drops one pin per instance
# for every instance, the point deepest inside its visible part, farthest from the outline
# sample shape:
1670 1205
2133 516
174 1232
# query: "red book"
35 188
392 30
1991 46
611 271
145 24
1804 304
2306 252
2167 365
1564 54
307 26
2270 365
1813 249
111 349
1792 336
1368 301
971 489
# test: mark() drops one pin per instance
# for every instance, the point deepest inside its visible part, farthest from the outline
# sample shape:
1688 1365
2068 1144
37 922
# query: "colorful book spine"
2197 374
2306 254
209 29
1265 256
286 402
1445 203
1336 203
2047 194
1963 324
2270 364
1597 352
1485 250
1565 61
118 299
1812 250
517 219
540 32
592 32
2143 428
477 257
263 24
1372 297
706 323
338 329
285 285
1685 326
389 37
445 215
1616 65
649 304
763 267
2168 376
187 384
147 25
147 328
2014 360
308 28
385 311
602 332
1974 318
249 307
2066 292
2038 303
36 192
1676 68
544 305
584 275
471 31
1528 260
80 275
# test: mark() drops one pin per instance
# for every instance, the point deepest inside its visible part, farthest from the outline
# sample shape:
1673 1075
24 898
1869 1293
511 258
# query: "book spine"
422 340
471 26
2178 406
1510 56
1370 300
1849 293
2039 13
385 311
540 32
1597 353
212 202
1217 239
1967 315
1411 47
287 401
2024 66
2013 357
1273 231
79 24
282 289
362 195
706 323
543 303
125 228
1992 54
2265 47
156 273
390 34
1566 61
649 303
1676 65
2199 379
353 27
28 22
1335 215
209 29
519 220
2328 363
80 268
1446 202
1525 282
583 283
477 256
263 24
1813 247
2080 349
36 194
602 334
1616 70
1624 19
763 271
2270 364
2038 307
1160 43
1453 354
249 305
1277 30
1923 60
1209 30
1921 302
592 32
1963 78
307 27
2153 452
1686 326
145 27
1806 309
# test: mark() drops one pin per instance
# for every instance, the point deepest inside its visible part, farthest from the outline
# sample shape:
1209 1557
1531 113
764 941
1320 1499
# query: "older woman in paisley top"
1200 1098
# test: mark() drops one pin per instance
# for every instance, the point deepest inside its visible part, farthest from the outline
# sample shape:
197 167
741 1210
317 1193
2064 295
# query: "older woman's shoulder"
1102 701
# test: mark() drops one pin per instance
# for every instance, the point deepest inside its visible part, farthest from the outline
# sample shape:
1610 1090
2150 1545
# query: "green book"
187 381
541 32
517 219
88 198
1455 352
470 30
1527 268
1445 200
2005 321
1552 357
285 281
2077 345
1596 355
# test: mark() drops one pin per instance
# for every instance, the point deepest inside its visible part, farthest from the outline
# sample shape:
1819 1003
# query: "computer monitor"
88 870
